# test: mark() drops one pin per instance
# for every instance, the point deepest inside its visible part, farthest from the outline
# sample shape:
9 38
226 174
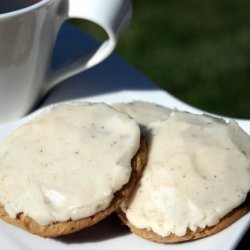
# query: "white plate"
112 81
109 234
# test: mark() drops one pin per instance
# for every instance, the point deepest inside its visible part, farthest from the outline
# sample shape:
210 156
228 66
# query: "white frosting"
67 163
198 170
144 112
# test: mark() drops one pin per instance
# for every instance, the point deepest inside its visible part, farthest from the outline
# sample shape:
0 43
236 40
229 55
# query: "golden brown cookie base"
62 228
226 221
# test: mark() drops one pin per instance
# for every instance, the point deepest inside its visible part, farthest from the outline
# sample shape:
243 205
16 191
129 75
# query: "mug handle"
112 15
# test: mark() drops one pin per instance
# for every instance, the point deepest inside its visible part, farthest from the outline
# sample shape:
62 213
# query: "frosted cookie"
144 112
196 180
69 168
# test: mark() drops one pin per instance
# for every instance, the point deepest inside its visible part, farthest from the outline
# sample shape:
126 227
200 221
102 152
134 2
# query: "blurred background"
198 51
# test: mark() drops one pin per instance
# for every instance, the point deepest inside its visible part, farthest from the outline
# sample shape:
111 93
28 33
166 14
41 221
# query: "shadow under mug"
27 38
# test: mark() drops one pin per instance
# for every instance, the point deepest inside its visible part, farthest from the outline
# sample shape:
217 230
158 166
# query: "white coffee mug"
27 38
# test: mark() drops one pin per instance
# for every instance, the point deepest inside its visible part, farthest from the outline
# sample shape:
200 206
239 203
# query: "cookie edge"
225 222
138 163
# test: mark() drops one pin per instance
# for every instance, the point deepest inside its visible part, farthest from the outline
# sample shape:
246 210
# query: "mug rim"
23 10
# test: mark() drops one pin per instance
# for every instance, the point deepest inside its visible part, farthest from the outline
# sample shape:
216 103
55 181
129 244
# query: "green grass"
197 50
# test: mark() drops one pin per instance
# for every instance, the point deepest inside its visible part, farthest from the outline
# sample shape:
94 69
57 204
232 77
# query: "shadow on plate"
107 229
